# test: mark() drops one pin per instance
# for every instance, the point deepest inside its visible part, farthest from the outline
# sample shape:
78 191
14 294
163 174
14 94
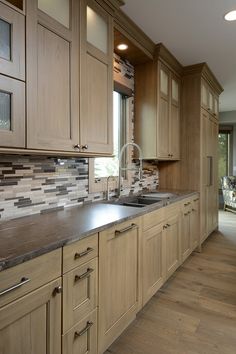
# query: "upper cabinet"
53 75
209 100
158 101
12 43
96 79
70 82
12 76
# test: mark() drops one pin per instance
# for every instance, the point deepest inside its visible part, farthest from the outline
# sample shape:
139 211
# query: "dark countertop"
28 237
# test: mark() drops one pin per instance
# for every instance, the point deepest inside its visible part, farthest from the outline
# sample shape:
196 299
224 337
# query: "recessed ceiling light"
122 46
230 16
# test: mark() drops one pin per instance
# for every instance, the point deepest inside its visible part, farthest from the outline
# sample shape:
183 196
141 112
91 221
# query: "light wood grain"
32 323
39 270
194 312
15 137
80 297
119 287
15 67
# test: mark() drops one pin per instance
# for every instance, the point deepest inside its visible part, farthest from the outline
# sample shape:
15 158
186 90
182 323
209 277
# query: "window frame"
97 185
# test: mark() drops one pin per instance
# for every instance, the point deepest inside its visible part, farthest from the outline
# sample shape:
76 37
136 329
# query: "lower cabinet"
82 338
118 280
172 244
32 324
153 258
195 224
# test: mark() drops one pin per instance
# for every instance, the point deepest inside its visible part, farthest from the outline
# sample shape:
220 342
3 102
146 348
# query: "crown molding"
205 72
163 54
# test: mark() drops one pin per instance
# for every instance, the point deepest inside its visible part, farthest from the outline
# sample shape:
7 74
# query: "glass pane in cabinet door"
175 90
59 10
5 40
164 82
97 30
5 111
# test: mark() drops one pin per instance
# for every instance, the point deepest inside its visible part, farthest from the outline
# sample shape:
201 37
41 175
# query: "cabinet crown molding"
205 72
162 53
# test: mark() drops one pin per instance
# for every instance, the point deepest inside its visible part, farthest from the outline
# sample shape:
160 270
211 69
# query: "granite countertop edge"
132 213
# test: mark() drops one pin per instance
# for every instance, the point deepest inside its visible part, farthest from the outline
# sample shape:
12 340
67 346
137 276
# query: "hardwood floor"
195 312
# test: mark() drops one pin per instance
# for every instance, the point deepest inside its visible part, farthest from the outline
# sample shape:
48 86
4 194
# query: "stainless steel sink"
138 201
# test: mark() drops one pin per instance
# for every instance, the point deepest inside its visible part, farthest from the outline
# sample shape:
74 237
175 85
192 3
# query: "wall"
229 118
34 184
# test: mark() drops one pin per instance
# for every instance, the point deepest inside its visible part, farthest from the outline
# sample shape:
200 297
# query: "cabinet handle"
195 200
77 147
84 275
84 253
185 214
57 290
168 225
186 204
119 232
193 209
22 282
84 147
88 326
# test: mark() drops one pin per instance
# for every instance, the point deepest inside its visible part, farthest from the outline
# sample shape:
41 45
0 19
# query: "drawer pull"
185 214
84 253
84 275
83 331
119 232
195 200
16 286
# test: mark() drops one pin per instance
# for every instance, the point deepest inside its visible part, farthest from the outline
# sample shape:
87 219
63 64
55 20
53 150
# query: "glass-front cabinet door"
12 42
12 112
59 10
96 79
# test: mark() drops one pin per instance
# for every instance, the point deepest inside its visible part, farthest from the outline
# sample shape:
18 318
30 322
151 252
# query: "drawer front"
28 276
79 252
152 219
79 293
82 338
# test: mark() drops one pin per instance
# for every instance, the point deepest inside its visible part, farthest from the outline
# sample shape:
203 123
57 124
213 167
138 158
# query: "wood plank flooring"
195 312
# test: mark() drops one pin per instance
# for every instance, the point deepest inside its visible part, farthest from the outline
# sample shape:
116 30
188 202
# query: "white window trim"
100 185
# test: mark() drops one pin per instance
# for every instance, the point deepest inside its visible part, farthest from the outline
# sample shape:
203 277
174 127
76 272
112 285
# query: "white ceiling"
194 31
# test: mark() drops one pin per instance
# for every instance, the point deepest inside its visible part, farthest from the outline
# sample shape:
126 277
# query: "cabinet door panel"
12 112
153 262
164 82
174 145
163 127
96 79
80 293
118 280
186 235
12 43
172 234
195 222
31 325
53 81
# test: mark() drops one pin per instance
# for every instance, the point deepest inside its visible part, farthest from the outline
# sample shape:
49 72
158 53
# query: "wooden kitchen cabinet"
53 79
158 103
82 338
119 280
172 243
194 222
186 227
32 324
153 261
96 126
12 45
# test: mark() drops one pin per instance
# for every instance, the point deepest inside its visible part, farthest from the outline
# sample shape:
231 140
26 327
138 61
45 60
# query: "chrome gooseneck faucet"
124 147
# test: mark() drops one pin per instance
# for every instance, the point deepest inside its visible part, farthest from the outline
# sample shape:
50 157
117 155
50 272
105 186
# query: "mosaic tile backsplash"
30 185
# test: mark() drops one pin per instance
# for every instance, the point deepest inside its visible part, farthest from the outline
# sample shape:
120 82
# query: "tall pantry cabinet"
199 136
198 168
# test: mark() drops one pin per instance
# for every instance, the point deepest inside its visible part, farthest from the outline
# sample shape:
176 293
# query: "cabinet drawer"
152 219
82 338
25 277
80 252
79 293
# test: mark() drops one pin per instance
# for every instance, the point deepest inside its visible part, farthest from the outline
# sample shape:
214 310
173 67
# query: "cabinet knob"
57 290
84 147
77 147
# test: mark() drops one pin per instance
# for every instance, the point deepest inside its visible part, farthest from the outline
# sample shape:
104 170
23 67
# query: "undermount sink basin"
138 202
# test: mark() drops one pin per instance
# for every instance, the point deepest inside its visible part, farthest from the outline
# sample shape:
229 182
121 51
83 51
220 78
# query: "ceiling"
194 31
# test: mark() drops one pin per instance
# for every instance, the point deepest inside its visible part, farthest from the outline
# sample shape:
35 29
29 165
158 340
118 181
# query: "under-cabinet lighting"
122 46
230 16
